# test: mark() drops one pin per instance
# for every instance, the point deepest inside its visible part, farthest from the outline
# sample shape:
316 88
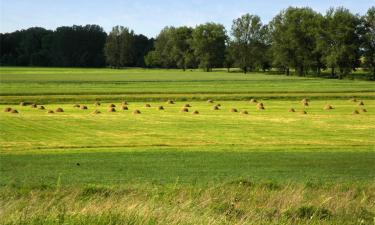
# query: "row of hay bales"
124 106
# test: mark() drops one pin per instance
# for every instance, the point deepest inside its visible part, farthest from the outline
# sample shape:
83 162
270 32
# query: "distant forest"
298 39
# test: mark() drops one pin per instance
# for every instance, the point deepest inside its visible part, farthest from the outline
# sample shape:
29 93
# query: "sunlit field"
309 162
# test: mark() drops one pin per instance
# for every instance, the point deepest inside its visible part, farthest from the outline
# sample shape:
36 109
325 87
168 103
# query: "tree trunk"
333 72
287 71
245 70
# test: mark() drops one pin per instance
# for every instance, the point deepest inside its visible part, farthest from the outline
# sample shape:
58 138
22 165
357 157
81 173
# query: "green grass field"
173 167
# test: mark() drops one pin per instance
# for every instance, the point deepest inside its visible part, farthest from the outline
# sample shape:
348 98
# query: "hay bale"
136 111
59 110
112 106
96 112
216 107
184 109
233 110
303 112
50 111
328 107
291 110
260 104
112 109
305 100
353 100
363 110
76 106
305 103
42 107
253 100
361 103
356 112
124 103
147 105
23 104
13 111
160 107
210 101
34 105
7 109
244 112
97 104
187 105
170 102
83 107
195 112
124 107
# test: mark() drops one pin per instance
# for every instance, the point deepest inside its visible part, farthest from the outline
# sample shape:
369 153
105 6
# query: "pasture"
167 166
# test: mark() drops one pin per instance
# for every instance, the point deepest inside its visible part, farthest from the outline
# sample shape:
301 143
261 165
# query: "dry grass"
160 107
216 107
291 110
328 107
13 111
59 110
234 110
184 109
111 105
83 107
210 101
356 112
23 104
260 106
361 103
170 102
76 106
97 104
124 103
147 105
96 112
50 111
303 112
187 105
195 112
363 110
34 106
111 109
136 111
245 112
124 107
42 107
7 109
253 100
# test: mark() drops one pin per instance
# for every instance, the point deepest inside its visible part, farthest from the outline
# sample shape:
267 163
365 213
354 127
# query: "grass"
169 167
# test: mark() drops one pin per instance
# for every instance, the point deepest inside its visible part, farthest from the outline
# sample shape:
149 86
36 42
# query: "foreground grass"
237 202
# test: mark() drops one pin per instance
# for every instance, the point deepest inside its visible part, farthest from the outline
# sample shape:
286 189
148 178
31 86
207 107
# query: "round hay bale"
303 112
170 102
50 111
13 111
7 109
305 103
147 105
253 100
355 112
23 104
261 108
59 110
111 109
124 107
361 103
328 107
291 110
363 110
34 106
124 103
210 101
305 100
260 104
76 106
184 109
42 107
83 107
233 110
160 107
96 112
187 105
216 107
97 104
245 112
112 106
195 112
136 111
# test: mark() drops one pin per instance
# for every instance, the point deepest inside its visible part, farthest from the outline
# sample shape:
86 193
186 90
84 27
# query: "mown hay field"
92 165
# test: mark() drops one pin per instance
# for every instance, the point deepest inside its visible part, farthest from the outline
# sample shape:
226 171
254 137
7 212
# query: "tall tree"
368 40
340 41
182 52
249 41
209 45
294 38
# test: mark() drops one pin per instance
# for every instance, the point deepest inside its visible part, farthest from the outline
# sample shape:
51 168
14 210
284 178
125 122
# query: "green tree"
340 42
209 45
294 39
181 51
368 40
249 42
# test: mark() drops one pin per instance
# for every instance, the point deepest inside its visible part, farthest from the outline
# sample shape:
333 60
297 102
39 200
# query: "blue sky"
149 16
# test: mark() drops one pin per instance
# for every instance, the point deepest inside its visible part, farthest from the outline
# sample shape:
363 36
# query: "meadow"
166 166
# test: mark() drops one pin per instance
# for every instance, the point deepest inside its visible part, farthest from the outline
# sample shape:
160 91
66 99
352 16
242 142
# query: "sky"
148 17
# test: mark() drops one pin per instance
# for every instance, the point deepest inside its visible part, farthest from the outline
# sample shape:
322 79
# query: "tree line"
298 39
